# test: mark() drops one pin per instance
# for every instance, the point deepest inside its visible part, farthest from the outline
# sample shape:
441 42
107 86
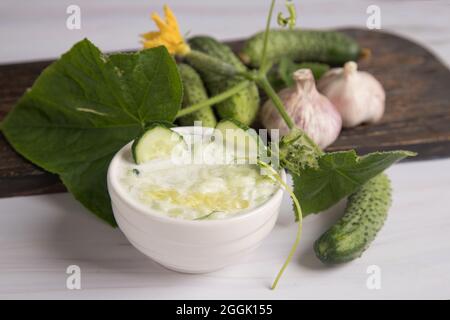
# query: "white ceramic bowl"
188 245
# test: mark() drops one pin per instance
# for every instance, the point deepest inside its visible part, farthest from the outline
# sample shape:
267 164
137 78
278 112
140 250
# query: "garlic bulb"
357 95
310 111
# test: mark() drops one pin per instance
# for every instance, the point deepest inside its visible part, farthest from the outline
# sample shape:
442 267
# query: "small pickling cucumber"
364 216
244 140
244 105
157 141
329 47
194 92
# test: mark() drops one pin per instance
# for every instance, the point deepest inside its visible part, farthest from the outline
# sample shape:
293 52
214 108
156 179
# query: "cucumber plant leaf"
84 107
338 175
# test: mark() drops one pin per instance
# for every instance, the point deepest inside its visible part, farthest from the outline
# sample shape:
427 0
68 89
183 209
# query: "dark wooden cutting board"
417 114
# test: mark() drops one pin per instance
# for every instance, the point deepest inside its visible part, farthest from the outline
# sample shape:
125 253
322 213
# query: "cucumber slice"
156 142
245 142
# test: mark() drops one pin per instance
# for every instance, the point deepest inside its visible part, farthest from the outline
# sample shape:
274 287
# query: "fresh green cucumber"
244 105
329 47
364 216
194 92
156 142
240 138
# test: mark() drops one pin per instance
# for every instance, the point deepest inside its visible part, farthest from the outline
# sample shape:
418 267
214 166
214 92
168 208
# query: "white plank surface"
41 235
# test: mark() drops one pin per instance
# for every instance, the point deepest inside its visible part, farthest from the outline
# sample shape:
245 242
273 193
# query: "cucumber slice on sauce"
242 139
157 142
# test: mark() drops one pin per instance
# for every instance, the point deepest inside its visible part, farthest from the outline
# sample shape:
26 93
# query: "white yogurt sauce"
215 190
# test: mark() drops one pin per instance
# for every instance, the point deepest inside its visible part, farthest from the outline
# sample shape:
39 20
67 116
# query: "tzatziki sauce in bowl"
196 211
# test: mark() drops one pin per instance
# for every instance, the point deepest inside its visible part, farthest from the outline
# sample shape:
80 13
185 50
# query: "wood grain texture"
417 114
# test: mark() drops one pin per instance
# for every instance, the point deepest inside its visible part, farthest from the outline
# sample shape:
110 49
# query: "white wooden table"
40 236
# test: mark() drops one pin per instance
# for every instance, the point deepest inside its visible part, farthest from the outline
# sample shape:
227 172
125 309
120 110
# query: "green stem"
293 249
277 177
263 68
265 85
214 100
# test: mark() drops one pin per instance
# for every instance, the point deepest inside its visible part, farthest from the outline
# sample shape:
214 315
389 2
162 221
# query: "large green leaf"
84 107
338 175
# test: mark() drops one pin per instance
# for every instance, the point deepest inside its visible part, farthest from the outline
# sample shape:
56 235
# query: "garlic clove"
357 95
310 110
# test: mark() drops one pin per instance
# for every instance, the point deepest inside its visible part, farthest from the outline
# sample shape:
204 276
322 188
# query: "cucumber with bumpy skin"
364 216
194 92
156 142
329 47
244 105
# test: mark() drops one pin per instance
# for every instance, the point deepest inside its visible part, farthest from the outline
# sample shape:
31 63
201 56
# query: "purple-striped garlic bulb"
310 110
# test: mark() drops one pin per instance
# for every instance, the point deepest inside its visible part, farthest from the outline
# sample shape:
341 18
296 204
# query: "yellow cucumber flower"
168 34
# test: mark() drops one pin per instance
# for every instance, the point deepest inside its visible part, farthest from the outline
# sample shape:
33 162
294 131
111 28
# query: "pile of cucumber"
200 82
315 49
